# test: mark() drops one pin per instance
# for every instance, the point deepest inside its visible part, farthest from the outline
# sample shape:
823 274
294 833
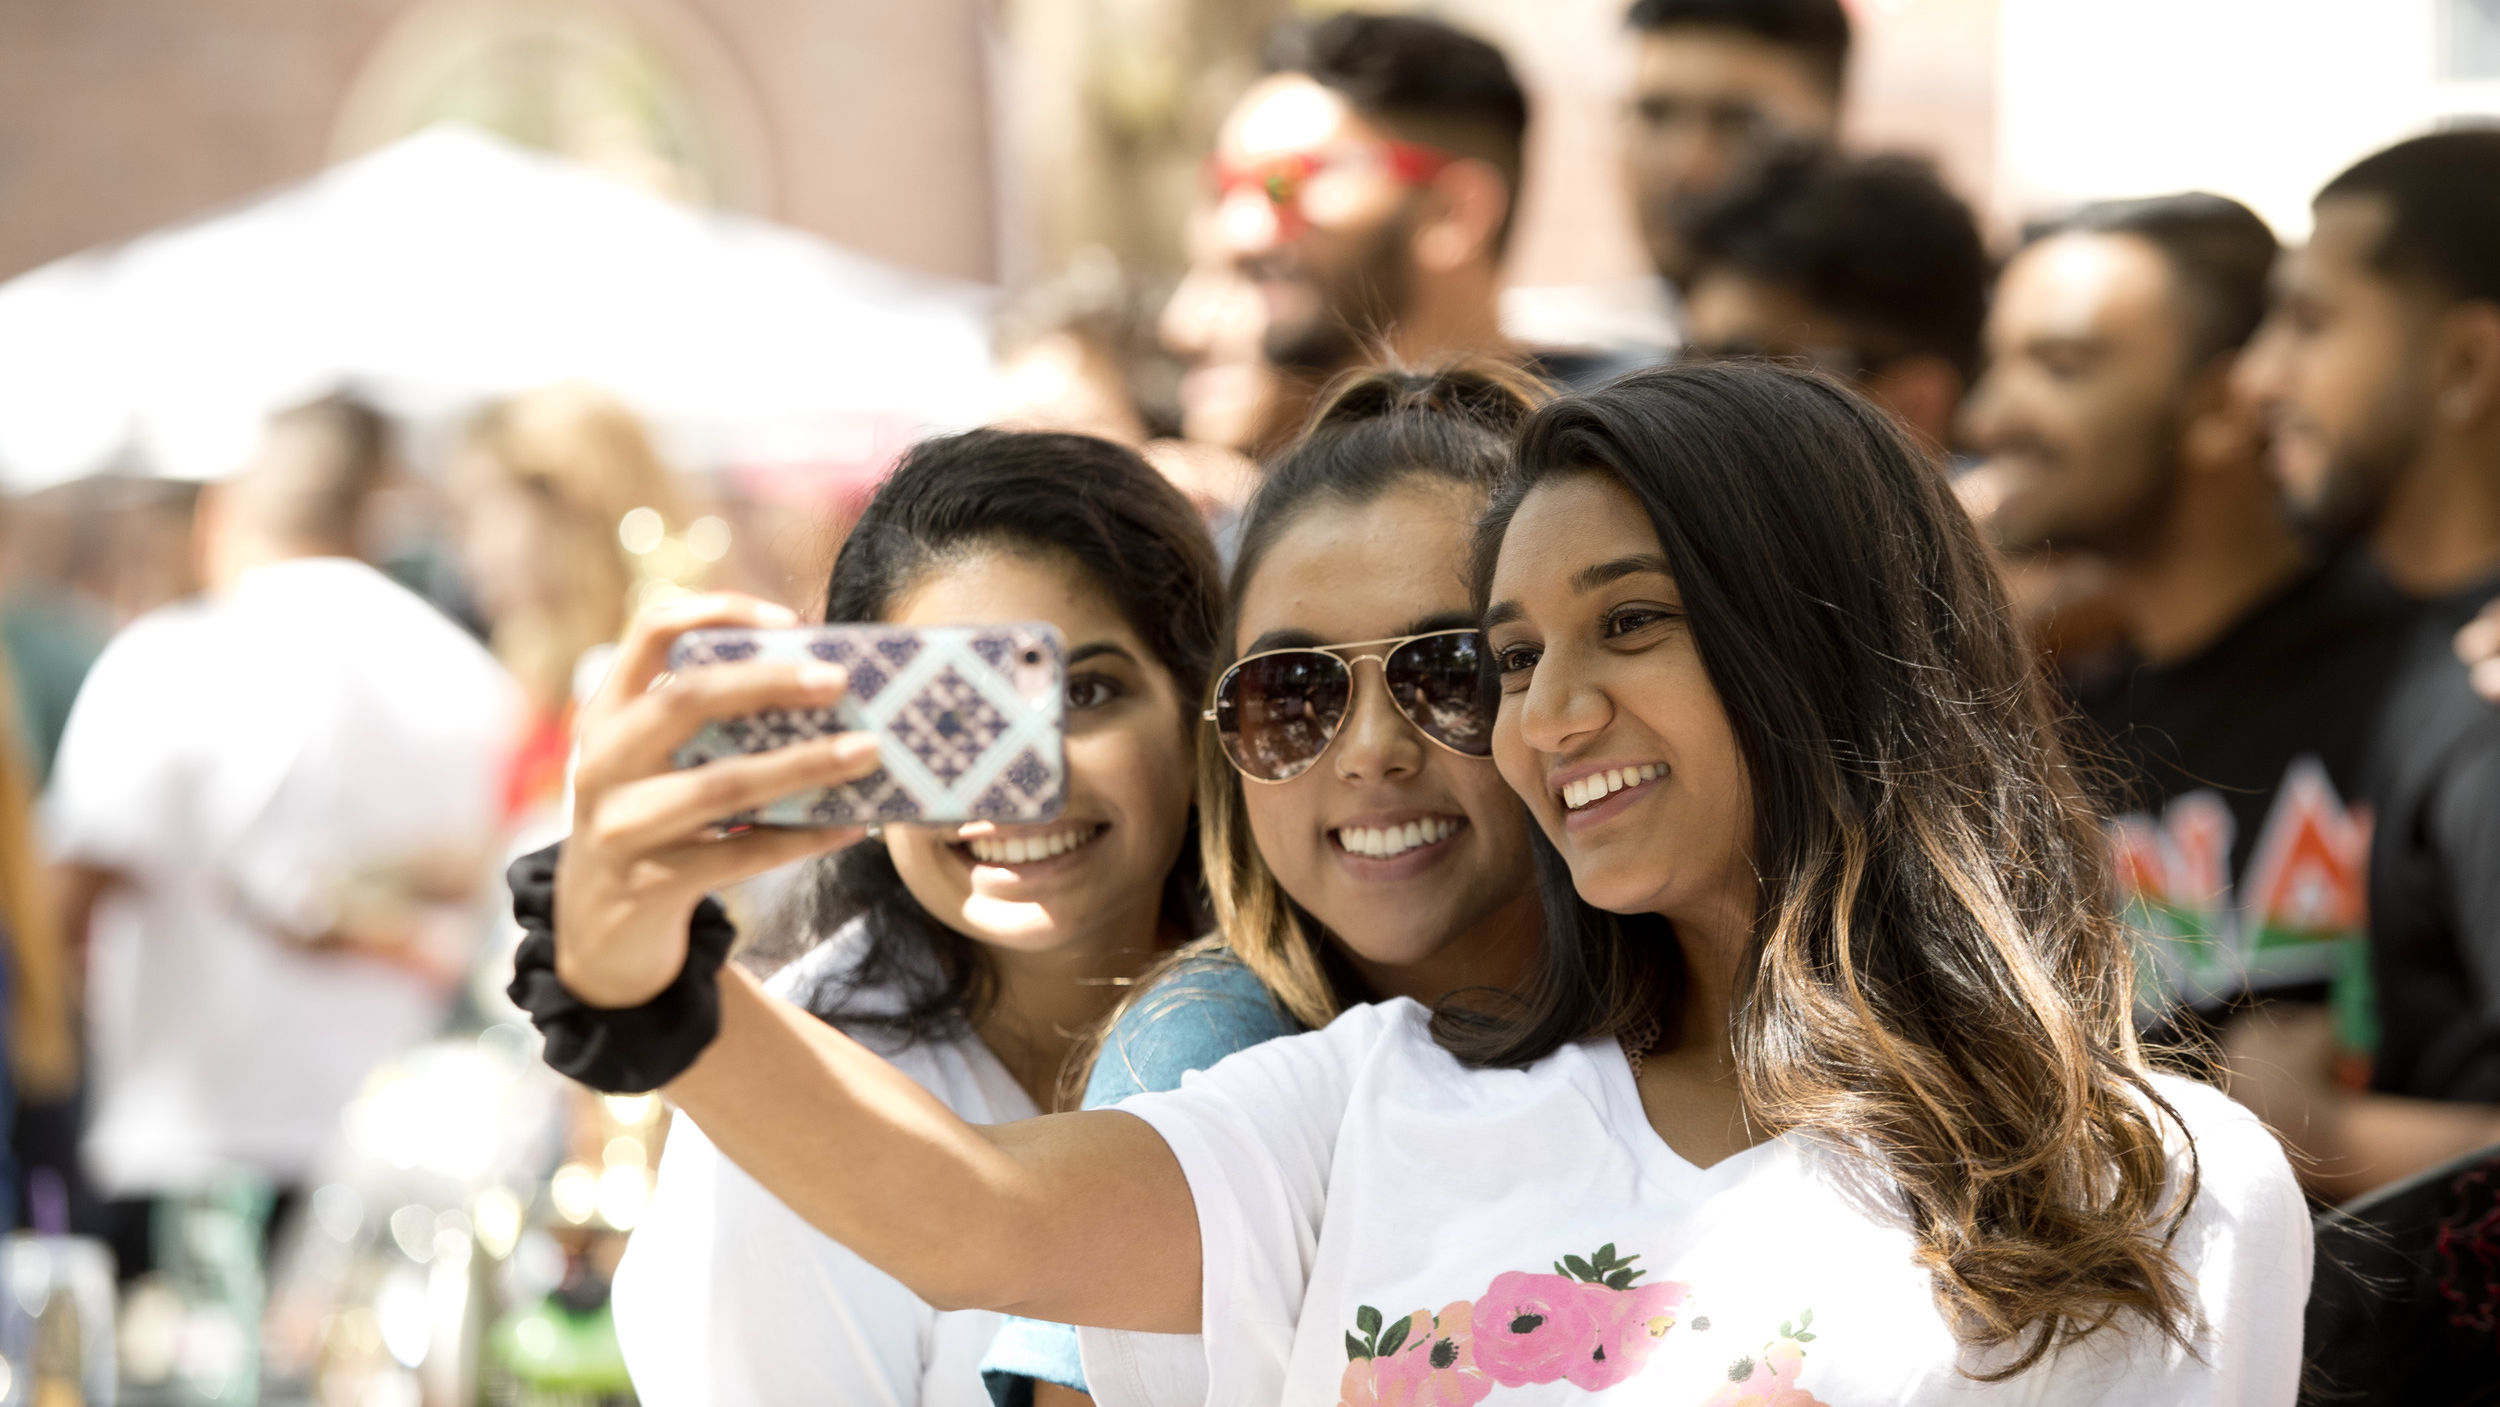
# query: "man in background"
1359 203
273 808
2247 673
1717 86
2379 372
1866 267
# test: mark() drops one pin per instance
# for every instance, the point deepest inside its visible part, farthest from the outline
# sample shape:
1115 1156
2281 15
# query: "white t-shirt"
1383 1225
236 757
727 1296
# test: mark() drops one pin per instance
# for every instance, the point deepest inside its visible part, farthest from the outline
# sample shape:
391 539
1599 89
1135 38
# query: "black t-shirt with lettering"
2433 769
2232 778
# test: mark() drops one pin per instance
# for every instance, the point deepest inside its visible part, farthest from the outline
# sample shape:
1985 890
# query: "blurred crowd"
274 737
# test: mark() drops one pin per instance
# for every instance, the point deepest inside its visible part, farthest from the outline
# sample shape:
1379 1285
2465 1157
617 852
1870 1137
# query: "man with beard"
1717 85
1363 192
1866 267
2379 372
2239 699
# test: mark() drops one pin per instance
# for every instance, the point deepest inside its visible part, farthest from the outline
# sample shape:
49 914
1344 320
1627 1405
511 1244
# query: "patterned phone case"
967 718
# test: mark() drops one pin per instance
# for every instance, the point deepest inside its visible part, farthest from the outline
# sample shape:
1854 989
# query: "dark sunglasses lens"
1276 713
1439 682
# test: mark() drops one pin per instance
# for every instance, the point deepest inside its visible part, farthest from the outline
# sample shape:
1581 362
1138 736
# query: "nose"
1983 414
1376 743
1561 708
1248 223
2257 376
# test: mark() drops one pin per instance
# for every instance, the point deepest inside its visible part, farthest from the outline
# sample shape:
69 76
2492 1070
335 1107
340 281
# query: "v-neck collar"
1622 1094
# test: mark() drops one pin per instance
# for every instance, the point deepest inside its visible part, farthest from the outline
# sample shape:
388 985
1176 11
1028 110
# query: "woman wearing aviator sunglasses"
1826 1089
1359 844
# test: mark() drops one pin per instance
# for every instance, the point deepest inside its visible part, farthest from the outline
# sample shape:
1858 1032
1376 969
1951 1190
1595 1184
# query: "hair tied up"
1488 393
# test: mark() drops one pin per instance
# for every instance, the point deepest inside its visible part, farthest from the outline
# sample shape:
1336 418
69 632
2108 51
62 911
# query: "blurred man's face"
2082 408
1732 314
1705 103
1216 323
1314 206
2339 367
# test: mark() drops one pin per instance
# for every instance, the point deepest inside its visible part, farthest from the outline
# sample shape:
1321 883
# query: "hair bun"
1488 392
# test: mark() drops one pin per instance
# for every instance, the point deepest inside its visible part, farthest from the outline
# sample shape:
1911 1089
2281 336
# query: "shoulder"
2241 1175
1204 1007
815 977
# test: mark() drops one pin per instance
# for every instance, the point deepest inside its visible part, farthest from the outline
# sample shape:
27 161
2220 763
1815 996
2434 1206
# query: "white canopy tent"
452 268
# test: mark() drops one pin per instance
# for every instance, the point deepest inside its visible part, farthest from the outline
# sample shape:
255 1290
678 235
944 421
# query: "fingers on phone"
645 732
680 806
642 655
710 864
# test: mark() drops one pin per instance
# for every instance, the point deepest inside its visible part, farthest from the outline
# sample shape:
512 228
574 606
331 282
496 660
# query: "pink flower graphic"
1642 1316
1549 1328
1536 1326
1768 1381
1433 1365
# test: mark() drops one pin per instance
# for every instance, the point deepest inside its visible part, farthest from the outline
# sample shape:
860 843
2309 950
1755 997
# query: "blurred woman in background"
542 489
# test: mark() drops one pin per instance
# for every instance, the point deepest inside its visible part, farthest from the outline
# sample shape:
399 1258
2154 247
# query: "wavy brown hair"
1375 431
1936 983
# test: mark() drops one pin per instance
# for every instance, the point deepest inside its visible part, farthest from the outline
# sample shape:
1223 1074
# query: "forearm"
1080 1218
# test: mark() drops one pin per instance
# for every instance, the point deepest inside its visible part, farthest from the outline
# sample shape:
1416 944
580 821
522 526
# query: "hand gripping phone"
969 720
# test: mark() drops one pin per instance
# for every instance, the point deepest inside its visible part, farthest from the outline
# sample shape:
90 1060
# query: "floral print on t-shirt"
1587 1324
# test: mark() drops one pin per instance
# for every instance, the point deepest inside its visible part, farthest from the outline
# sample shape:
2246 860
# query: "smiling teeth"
1382 842
1597 786
1025 849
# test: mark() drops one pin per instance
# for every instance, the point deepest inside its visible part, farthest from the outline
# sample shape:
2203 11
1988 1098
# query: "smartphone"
969 720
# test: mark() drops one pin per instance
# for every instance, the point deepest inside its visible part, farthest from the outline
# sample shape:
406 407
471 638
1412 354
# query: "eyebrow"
1089 650
1588 579
1584 581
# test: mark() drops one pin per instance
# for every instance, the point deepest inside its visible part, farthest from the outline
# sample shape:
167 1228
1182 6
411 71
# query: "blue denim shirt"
1205 1008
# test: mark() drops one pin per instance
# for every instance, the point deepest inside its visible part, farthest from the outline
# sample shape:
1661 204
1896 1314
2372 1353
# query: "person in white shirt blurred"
272 810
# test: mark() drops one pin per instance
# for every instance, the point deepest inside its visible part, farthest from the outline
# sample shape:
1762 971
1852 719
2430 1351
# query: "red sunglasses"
1283 178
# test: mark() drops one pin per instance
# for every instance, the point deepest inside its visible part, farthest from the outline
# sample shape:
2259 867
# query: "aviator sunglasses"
1277 711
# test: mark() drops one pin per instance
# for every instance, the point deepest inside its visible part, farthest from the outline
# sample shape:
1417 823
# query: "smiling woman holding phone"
1826 1090
971 955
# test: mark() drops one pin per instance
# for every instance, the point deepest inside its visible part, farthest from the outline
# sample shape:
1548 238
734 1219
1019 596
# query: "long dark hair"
1936 980
1065 498
1378 429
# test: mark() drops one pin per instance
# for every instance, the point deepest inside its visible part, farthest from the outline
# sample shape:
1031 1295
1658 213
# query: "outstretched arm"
1083 1218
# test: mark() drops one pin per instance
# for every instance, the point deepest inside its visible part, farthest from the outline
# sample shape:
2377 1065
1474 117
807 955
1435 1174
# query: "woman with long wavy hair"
1825 1092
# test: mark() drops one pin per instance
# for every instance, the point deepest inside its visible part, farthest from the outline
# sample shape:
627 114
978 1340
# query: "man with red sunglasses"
1359 200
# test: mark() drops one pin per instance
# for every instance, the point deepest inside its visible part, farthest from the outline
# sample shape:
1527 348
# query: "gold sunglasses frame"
1388 645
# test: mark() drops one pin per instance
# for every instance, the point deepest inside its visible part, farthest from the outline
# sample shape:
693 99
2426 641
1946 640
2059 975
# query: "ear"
1464 217
2219 427
2467 368
1924 391
211 512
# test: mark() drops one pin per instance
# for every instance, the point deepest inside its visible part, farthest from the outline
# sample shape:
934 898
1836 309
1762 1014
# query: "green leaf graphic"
1392 1340
1580 1268
1367 1319
1354 1350
1621 1280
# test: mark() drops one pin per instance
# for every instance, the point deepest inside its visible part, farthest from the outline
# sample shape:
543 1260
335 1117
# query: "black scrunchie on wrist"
615 1050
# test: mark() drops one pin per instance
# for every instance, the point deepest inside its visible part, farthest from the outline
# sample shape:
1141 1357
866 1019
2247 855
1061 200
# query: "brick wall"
120 116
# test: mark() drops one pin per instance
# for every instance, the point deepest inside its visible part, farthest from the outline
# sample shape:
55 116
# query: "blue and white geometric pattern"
967 719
